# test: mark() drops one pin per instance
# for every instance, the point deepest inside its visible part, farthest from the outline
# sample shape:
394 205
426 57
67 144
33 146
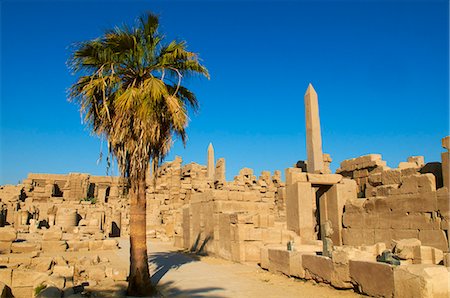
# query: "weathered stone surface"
23 247
299 209
6 276
110 244
5 247
286 262
404 249
373 278
117 274
294 175
427 255
54 233
54 246
27 278
8 234
77 245
318 268
324 179
427 281
435 238
42 264
64 271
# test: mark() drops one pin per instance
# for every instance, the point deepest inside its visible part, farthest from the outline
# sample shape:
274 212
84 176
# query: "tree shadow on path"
163 262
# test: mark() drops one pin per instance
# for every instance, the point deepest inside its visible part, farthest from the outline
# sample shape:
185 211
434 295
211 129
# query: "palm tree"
130 92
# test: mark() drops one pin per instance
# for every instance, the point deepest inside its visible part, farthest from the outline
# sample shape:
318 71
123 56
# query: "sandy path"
181 275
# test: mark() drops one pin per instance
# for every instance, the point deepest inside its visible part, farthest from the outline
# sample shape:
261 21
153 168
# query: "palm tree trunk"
139 283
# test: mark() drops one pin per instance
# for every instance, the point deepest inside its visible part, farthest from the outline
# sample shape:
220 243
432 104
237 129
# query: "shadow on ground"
162 262
169 290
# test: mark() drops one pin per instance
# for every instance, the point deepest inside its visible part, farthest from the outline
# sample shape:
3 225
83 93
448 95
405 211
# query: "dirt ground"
181 275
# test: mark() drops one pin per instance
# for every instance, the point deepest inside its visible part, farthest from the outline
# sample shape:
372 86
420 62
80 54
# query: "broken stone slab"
426 281
427 255
286 262
324 179
404 248
5 247
96 273
24 247
6 276
373 278
54 246
27 278
42 264
8 234
64 271
55 233
318 268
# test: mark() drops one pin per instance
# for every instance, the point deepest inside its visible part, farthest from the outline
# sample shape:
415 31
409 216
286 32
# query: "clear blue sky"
381 69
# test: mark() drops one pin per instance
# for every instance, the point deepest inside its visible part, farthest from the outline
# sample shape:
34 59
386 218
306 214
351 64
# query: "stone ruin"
381 231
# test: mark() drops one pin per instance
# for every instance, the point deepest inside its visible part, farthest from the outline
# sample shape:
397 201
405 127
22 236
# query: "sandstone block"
299 209
407 165
8 234
77 245
27 278
404 249
96 273
352 236
5 247
392 176
375 179
252 251
427 255
286 262
23 247
435 238
64 271
324 179
54 233
110 244
294 175
373 278
22 291
6 276
95 245
54 246
427 281
318 268
42 264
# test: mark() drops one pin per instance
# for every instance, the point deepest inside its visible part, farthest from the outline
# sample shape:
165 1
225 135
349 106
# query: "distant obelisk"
210 167
313 136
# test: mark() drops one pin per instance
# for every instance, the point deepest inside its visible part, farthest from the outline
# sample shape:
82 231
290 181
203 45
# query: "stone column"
210 166
313 136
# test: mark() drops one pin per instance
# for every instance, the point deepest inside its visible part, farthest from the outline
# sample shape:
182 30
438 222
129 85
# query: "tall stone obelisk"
210 166
313 136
